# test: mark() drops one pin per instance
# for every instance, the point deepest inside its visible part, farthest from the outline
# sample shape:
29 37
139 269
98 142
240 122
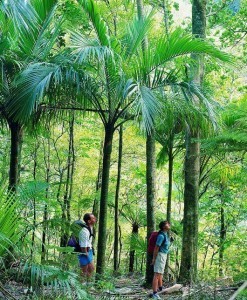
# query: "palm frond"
137 243
191 90
147 106
32 86
48 30
60 281
100 27
20 12
9 221
88 49
43 8
38 41
179 44
135 35
162 156
42 81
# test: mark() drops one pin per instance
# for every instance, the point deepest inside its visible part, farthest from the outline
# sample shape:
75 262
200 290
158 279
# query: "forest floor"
131 288
127 288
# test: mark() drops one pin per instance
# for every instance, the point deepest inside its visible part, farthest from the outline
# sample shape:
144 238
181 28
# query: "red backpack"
152 241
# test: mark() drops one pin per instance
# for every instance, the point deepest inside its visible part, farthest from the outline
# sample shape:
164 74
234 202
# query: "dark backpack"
152 241
74 238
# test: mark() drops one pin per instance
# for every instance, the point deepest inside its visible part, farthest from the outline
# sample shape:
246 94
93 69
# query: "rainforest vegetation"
135 111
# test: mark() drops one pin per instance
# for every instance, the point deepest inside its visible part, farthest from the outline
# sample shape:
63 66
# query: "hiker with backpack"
81 241
85 242
160 251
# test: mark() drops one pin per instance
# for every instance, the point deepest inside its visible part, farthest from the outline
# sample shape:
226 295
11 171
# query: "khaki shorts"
160 263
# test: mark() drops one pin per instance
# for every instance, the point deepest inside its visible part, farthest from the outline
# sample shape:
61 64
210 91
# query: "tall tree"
116 207
150 165
25 28
188 269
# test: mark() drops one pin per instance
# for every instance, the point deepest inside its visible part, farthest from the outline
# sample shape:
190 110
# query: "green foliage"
138 243
9 222
59 281
229 23
86 54
234 134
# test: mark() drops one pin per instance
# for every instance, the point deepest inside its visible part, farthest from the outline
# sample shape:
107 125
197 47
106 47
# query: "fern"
9 222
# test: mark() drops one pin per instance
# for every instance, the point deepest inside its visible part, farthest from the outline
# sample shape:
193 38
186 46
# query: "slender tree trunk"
15 154
205 257
170 175
68 186
116 223
72 163
166 16
98 187
107 150
188 269
45 218
169 201
5 167
135 228
150 180
45 215
34 199
120 246
222 234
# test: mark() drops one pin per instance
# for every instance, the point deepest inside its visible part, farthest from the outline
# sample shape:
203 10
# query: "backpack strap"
162 232
83 225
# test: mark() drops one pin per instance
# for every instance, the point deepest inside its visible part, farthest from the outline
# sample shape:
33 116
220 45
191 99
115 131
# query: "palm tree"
188 269
26 36
109 76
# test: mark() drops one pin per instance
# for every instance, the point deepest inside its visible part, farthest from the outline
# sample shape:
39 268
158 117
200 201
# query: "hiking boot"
155 296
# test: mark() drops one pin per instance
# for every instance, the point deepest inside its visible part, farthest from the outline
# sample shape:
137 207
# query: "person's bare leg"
84 273
160 281
155 282
90 269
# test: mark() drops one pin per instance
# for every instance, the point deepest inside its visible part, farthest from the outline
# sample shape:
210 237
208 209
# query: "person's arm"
156 250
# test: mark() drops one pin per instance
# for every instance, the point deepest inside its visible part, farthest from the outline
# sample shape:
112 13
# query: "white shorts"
160 263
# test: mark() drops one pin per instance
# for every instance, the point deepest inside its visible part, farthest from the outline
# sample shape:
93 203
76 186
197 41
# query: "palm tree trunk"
169 200
107 150
170 175
150 180
98 187
15 154
188 269
116 223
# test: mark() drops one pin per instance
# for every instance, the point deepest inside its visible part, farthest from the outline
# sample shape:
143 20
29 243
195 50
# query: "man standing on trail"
85 241
159 257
